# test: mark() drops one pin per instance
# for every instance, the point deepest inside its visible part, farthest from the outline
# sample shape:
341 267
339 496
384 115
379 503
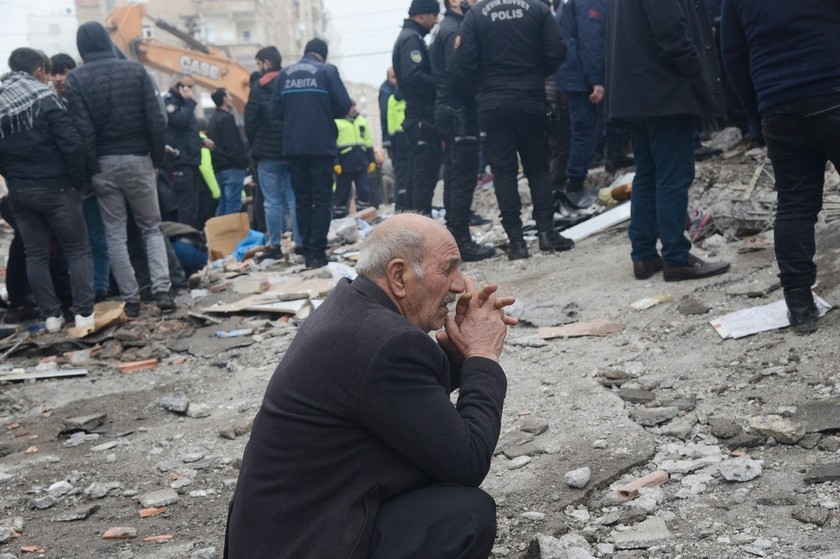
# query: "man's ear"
395 275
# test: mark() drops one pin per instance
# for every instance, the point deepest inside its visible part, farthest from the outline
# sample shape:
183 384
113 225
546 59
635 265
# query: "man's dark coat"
357 411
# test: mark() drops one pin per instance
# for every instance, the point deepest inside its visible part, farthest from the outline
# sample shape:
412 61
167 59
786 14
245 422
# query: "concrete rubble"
741 437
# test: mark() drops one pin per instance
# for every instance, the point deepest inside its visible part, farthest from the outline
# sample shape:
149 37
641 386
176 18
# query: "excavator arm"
209 68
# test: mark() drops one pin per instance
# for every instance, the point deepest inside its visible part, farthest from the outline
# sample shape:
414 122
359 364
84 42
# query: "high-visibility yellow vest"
353 133
396 115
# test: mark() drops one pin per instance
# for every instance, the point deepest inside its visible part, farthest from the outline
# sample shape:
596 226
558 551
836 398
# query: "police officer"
308 97
509 48
414 76
457 122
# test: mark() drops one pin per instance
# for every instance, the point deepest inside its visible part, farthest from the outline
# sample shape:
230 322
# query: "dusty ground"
669 352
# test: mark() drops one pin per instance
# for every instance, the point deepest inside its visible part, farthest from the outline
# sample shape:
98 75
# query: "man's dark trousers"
438 521
402 168
460 161
511 126
424 152
801 137
344 190
664 152
312 180
186 188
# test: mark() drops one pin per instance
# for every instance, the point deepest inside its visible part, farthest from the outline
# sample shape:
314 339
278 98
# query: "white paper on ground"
747 322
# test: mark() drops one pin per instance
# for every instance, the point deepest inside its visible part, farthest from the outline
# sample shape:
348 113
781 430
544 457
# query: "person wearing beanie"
116 108
413 69
230 160
308 97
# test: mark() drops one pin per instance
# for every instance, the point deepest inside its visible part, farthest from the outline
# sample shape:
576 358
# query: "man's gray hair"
379 248
178 77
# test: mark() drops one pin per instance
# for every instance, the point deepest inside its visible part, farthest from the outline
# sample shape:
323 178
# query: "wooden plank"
599 223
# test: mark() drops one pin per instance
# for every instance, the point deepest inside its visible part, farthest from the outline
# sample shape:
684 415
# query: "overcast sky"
368 29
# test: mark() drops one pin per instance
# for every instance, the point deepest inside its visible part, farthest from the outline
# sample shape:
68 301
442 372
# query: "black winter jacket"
452 89
229 152
262 128
49 154
113 102
661 60
510 48
413 68
182 128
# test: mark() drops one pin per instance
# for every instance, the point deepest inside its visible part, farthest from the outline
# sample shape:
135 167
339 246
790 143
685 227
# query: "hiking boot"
802 310
132 309
272 252
552 240
695 268
644 269
164 301
517 250
478 219
473 252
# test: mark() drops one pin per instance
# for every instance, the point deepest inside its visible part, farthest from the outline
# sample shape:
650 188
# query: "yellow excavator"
210 67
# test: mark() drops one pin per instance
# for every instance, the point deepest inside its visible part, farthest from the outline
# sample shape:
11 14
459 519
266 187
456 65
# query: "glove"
371 167
337 169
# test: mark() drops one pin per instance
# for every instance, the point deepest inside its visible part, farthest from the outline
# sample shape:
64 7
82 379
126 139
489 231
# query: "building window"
246 36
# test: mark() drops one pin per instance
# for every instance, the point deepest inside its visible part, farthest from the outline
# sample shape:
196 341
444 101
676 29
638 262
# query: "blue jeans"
585 130
801 137
98 246
664 152
276 187
37 211
231 182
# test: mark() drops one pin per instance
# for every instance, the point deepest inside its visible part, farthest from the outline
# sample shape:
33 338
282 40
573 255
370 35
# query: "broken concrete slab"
547 313
822 473
780 428
819 415
204 343
74 515
160 498
652 531
84 422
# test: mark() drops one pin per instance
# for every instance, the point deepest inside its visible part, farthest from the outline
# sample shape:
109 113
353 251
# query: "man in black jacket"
230 160
182 133
457 122
784 54
509 48
117 111
265 134
662 73
42 160
413 70
388 88
357 450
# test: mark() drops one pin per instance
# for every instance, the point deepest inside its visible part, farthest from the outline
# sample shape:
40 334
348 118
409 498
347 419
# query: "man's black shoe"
552 240
272 252
132 309
473 252
645 269
517 250
20 313
478 219
164 301
704 152
317 262
695 268
802 310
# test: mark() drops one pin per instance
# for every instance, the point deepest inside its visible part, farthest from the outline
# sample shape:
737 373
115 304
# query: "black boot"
802 311
616 158
552 240
517 248
575 184
472 251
